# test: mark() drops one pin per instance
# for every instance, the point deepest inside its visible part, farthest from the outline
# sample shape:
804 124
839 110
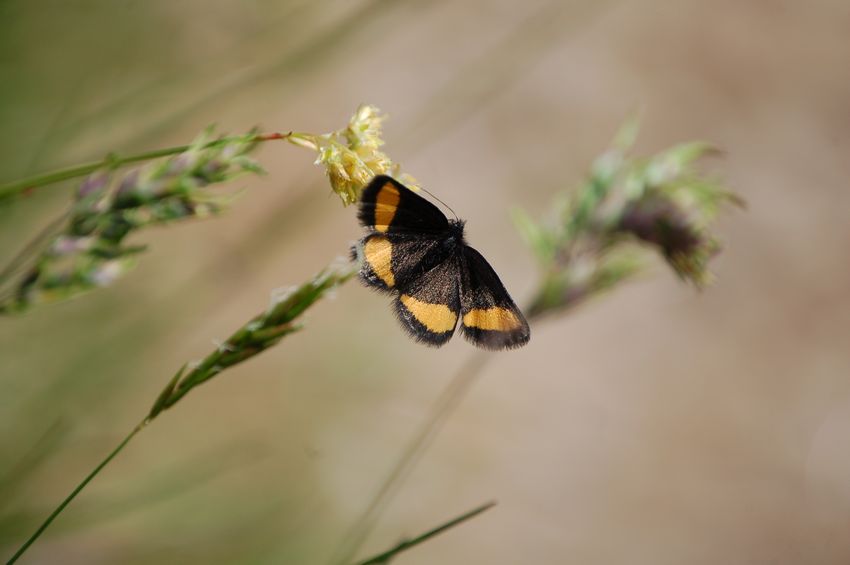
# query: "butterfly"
415 253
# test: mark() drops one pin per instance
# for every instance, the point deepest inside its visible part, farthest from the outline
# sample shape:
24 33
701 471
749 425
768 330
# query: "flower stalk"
388 555
599 234
90 248
87 249
19 187
260 333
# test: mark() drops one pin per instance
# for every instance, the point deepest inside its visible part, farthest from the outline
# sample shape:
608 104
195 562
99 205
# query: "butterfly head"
455 235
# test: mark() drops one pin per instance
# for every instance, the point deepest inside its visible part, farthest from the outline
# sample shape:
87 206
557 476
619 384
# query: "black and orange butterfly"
415 252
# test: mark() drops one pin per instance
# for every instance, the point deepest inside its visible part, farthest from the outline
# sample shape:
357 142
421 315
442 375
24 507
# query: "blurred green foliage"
83 77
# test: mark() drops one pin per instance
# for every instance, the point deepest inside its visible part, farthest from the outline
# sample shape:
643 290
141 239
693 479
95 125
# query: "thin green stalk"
444 406
14 188
407 544
76 491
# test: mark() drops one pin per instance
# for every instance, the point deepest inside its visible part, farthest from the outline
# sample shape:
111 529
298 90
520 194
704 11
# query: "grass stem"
58 510
15 188
444 407
407 544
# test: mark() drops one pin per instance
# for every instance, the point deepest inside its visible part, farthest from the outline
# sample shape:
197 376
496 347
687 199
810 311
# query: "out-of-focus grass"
80 76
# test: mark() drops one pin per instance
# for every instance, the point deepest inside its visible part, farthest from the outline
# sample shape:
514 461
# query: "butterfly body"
414 252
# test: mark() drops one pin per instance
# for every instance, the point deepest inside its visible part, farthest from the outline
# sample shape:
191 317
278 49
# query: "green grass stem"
58 510
15 188
386 556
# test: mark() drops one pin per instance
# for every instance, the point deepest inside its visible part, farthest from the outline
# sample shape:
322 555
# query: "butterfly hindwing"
387 206
428 306
489 318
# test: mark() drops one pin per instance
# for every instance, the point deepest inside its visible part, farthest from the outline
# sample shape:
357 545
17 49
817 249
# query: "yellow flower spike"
350 156
364 128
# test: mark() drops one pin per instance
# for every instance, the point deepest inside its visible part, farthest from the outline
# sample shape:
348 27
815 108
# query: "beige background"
653 426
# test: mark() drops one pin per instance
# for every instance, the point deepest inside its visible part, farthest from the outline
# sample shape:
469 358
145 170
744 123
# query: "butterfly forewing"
387 206
428 306
489 318
390 261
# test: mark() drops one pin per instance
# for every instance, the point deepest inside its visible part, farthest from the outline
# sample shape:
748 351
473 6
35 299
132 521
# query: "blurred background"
655 425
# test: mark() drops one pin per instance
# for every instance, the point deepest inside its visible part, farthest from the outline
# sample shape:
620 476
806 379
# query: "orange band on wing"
494 319
386 203
437 318
378 252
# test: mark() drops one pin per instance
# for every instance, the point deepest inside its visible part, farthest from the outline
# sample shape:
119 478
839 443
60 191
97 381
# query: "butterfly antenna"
440 201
